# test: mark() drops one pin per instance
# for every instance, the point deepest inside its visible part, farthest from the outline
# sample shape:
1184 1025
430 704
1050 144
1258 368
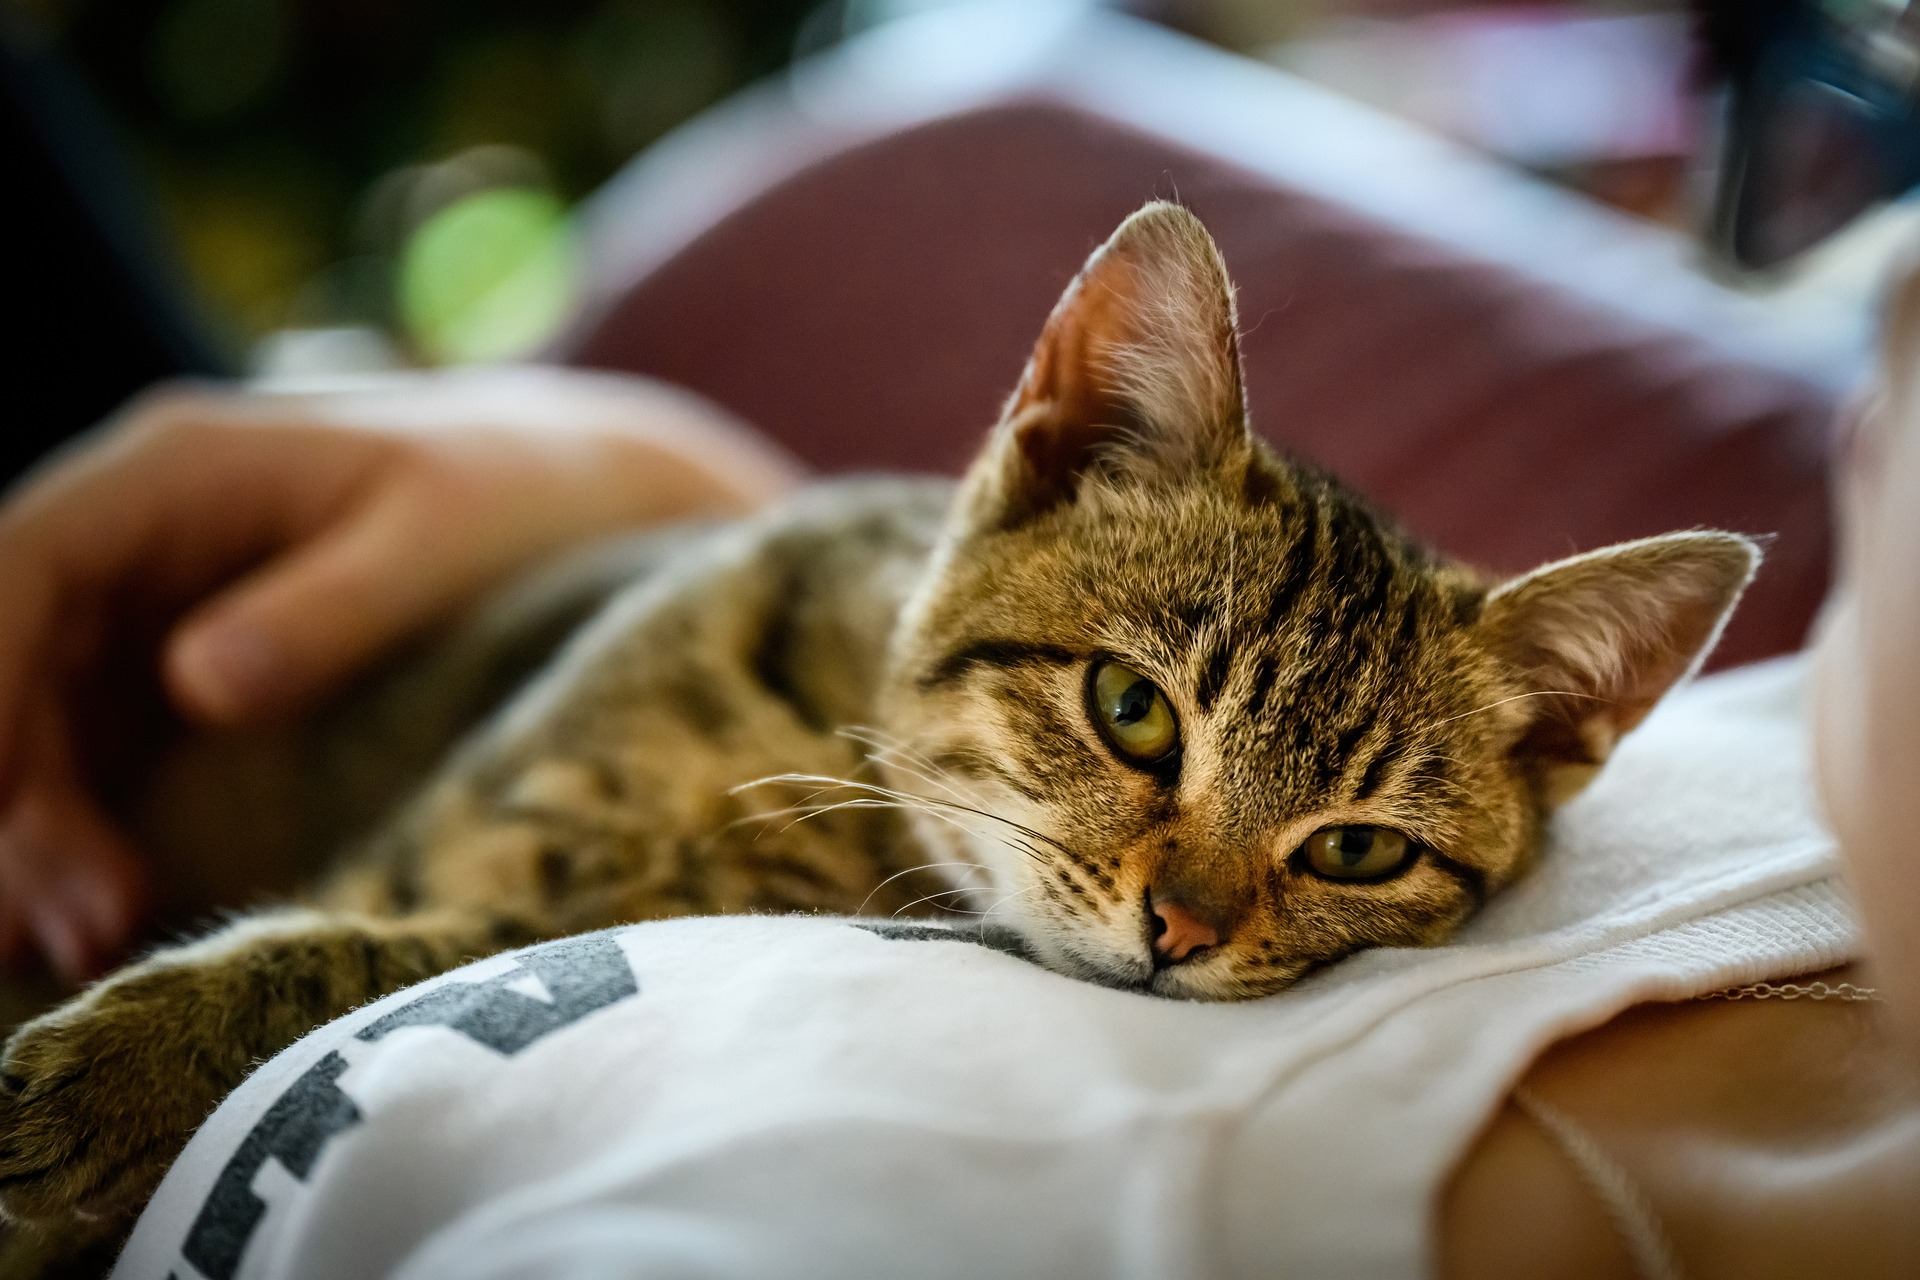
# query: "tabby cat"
1187 717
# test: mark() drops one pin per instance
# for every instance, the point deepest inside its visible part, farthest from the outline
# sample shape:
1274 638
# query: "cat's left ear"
1136 372
1599 638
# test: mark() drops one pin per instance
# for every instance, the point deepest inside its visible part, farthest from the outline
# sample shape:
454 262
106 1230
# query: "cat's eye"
1132 714
1357 852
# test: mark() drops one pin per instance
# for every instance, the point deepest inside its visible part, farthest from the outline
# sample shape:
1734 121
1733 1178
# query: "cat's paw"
97 1097
76 1250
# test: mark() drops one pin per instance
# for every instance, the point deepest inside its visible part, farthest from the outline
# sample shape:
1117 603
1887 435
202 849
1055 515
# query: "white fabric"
804 1098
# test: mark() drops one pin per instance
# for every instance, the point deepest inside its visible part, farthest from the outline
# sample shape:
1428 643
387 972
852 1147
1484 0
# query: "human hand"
236 555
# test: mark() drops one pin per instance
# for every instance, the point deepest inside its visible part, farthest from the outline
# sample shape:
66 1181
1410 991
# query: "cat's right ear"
1597 639
1137 372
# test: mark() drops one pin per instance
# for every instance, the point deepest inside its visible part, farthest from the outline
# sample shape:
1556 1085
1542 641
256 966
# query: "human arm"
1866 707
1767 1134
244 552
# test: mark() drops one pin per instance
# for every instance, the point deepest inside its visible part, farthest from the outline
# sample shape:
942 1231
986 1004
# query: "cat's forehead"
1162 567
1298 623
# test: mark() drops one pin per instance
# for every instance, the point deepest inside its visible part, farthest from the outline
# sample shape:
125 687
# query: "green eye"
1357 853
1132 714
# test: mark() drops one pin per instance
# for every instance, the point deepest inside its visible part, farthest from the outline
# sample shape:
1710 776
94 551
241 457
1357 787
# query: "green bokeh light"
489 277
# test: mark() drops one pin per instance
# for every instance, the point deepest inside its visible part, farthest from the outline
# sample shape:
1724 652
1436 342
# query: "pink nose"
1178 932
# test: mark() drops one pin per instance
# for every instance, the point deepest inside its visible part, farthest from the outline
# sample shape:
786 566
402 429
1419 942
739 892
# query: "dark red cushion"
873 310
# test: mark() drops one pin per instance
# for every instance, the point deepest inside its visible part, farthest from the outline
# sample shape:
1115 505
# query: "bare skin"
1771 1138
229 557
1867 708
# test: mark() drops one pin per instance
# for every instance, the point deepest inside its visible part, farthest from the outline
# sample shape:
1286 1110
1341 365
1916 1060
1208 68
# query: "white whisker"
925 866
1538 693
803 812
1019 893
906 797
929 898
902 756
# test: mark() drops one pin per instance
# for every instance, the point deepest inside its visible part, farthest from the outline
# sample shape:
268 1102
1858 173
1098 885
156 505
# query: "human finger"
169 505
73 886
294 628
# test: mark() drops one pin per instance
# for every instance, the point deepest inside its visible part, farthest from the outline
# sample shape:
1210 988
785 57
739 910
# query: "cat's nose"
1177 931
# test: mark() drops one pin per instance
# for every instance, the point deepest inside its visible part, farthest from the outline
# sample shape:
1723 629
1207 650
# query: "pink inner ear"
1601 638
1057 450
1580 719
1137 365
1069 404
1072 367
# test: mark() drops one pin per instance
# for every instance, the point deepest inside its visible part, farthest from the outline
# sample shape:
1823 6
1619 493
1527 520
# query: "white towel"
806 1097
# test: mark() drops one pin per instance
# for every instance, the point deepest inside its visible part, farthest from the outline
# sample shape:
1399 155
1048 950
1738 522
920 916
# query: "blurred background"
400 175
351 184
404 169
1464 234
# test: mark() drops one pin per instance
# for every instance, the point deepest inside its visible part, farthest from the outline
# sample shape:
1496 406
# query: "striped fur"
876 699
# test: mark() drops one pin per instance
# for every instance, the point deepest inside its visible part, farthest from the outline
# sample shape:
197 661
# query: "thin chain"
1795 991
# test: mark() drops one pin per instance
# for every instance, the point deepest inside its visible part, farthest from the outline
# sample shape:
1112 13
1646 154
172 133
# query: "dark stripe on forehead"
1359 569
1213 673
1408 633
1002 654
1192 616
1375 773
1264 676
1333 760
1293 571
1364 587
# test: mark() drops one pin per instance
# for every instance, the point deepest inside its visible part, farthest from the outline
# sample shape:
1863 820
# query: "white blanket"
761 1097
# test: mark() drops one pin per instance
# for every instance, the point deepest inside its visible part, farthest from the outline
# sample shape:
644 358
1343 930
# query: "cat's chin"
1181 983
1089 959
1139 975
1106 970
1167 984
1202 982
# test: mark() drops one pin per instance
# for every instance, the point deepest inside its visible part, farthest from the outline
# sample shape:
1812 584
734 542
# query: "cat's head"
1207 721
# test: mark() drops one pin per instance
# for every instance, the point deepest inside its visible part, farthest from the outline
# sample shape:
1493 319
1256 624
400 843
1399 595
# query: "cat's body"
1189 718
620 784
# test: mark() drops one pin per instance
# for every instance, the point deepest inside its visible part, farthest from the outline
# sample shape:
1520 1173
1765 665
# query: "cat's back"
719 625
798 601
643 771
725 630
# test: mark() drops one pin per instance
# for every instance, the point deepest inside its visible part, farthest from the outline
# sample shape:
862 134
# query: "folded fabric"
812 1097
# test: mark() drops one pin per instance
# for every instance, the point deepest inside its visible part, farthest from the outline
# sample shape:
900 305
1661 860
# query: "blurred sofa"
856 259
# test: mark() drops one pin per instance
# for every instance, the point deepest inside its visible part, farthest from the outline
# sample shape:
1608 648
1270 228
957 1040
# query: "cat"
1188 718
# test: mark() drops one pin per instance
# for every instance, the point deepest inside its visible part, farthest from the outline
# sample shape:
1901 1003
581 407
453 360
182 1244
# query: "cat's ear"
1136 372
1598 638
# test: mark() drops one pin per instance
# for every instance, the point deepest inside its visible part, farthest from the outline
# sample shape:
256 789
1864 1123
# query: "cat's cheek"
1072 932
974 857
1071 948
